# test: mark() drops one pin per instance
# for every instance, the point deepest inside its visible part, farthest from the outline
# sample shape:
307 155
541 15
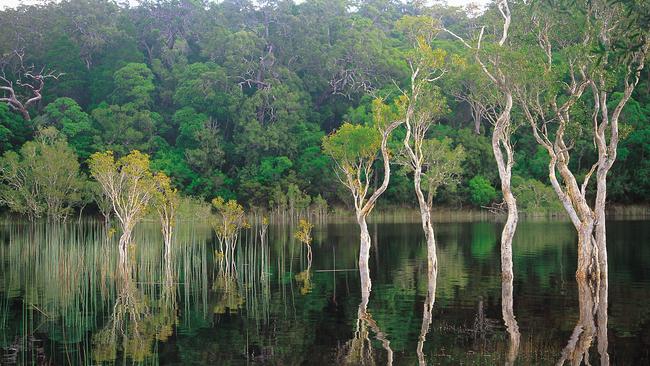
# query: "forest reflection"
67 297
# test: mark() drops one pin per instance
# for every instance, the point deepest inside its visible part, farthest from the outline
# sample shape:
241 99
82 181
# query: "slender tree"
128 184
354 150
493 67
423 105
166 203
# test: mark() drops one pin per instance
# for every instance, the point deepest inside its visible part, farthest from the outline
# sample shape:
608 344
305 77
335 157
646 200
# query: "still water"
65 297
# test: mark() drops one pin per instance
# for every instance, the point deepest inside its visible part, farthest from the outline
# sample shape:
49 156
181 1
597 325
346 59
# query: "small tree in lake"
166 203
232 219
304 236
354 149
129 185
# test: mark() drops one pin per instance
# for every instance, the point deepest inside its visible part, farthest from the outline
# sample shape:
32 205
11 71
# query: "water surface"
66 298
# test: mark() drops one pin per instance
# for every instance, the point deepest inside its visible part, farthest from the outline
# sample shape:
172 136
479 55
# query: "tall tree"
354 150
599 52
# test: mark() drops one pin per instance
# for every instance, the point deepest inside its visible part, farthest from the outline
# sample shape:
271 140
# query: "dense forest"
234 99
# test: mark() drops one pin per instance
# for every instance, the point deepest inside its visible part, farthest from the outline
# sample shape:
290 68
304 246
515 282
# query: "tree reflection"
591 324
127 321
427 312
358 350
226 286
134 324
507 310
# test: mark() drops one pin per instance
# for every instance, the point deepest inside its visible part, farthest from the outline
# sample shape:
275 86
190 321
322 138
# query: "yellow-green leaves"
232 218
418 28
304 232
128 183
351 143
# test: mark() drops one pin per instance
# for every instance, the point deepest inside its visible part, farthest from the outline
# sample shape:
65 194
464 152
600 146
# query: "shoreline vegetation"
196 211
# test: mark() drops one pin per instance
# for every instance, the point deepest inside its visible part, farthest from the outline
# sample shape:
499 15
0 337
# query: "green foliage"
443 165
134 84
124 128
42 179
13 129
231 219
303 234
67 116
235 100
351 144
482 192
127 183
535 197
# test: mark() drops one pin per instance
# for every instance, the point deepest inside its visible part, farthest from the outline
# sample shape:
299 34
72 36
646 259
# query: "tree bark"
501 139
507 311
364 257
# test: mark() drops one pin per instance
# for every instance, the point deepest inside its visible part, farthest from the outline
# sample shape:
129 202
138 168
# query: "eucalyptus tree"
354 149
590 64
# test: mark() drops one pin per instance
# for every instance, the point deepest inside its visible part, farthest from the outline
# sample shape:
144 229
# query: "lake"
67 299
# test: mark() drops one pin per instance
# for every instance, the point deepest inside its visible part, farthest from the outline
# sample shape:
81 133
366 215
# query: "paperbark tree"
597 61
354 150
43 178
128 184
166 203
427 314
359 349
232 219
592 323
492 66
508 313
423 105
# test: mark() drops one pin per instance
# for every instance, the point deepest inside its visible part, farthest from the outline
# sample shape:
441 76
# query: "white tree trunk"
364 257
501 140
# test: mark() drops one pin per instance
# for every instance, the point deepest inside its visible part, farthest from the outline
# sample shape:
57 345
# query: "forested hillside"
233 99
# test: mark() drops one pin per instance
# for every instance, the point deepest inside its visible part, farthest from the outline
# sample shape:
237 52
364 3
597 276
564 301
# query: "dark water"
66 299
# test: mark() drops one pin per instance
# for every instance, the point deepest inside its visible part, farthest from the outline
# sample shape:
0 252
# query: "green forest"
269 102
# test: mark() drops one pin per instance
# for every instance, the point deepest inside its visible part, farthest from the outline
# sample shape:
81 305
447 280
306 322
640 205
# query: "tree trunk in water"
600 225
364 257
588 264
507 310
501 138
427 225
602 321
